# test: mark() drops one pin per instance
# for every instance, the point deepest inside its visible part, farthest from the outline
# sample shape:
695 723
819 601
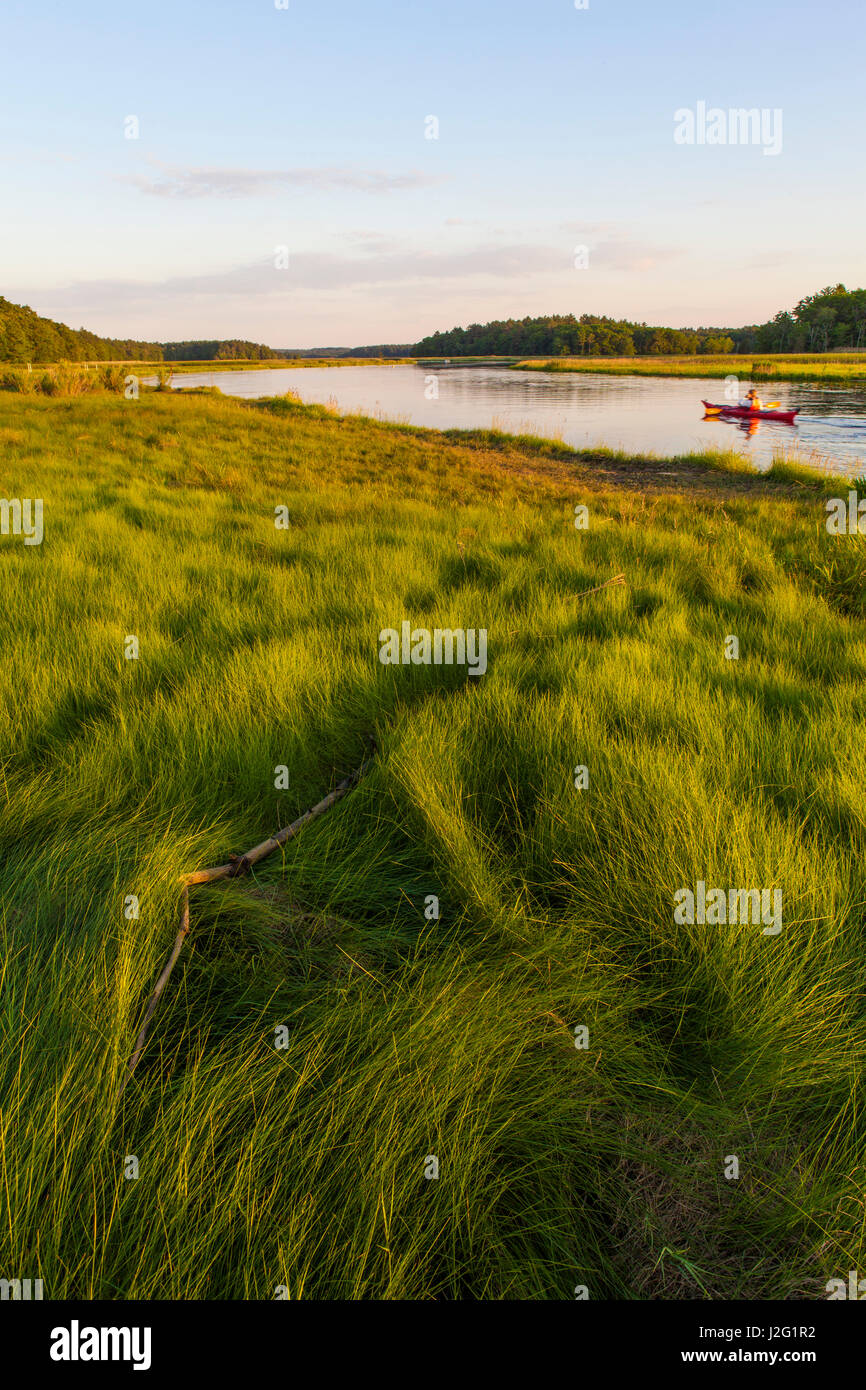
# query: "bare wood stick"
234 869
240 866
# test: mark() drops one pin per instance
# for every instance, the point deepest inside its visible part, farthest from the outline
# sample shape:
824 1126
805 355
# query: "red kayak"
744 412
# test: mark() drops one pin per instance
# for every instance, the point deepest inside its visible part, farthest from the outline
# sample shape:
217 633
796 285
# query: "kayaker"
753 400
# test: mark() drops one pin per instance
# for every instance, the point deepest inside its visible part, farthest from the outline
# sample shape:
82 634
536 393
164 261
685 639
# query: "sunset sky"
305 127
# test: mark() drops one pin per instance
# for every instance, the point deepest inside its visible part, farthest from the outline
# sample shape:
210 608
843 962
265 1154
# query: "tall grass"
65 379
848 368
411 1036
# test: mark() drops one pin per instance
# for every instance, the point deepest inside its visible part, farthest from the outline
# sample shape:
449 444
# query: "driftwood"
237 866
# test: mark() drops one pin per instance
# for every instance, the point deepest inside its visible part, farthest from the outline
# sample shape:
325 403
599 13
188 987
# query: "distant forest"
831 321
219 350
563 335
25 337
834 319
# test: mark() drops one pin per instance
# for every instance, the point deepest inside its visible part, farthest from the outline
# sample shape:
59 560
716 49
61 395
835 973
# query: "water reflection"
643 415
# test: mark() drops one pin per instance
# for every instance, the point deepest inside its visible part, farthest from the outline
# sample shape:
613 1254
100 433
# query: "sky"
264 169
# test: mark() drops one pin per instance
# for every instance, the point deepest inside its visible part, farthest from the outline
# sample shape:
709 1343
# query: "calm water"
659 415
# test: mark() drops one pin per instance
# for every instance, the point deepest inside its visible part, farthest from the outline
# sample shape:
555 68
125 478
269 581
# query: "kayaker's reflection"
748 427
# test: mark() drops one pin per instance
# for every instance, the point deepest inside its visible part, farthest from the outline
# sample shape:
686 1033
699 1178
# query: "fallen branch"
237 866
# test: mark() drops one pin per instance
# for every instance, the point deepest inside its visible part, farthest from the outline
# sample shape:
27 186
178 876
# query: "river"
658 415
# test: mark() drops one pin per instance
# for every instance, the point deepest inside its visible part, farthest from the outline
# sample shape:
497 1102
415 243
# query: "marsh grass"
849 368
304 1166
65 379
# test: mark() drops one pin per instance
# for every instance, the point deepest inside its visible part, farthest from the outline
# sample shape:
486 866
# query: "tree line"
27 337
218 350
834 319
565 335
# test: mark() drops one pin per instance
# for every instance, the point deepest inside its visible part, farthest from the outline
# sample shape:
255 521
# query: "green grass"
845 368
304 1167
67 379
849 368
83 378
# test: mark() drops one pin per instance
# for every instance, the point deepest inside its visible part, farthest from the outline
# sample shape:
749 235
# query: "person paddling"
753 400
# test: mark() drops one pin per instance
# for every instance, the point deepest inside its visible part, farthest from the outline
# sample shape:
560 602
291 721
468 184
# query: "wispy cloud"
377 270
170 181
312 271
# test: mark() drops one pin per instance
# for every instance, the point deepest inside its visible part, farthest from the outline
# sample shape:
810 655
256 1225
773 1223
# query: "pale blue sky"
305 127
